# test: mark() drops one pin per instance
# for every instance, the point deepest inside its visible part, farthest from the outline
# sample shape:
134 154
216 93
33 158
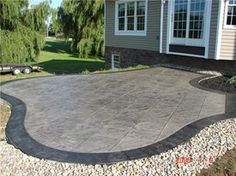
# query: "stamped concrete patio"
62 116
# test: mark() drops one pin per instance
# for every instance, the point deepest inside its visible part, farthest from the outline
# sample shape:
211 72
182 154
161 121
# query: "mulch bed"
218 83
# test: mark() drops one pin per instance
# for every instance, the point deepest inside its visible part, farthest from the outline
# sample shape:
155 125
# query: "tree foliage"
55 27
22 30
83 21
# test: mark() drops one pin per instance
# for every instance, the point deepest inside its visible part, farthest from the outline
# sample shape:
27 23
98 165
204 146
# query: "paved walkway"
107 113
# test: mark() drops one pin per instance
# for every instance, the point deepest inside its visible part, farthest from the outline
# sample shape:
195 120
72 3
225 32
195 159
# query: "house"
152 31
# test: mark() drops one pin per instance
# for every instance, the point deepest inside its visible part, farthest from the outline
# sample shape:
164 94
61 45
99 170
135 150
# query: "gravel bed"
186 159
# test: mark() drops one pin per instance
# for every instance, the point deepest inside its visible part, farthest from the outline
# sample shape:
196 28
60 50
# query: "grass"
4 116
225 166
56 58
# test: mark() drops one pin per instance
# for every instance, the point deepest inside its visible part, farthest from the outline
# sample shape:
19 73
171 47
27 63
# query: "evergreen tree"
22 30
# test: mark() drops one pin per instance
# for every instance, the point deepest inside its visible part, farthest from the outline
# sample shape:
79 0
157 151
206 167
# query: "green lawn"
56 58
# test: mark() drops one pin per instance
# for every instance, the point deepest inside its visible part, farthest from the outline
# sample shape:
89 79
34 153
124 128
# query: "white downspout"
161 25
219 29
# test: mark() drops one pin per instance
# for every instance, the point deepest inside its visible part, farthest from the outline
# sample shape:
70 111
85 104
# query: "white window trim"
227 26
126 32
205 42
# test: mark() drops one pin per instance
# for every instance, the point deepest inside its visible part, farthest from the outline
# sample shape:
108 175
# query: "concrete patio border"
18 136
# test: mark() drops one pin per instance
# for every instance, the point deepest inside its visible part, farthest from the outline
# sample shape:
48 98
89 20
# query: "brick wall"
132 57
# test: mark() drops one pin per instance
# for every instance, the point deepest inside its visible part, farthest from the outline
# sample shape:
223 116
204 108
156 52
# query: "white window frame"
227 26
125 31
187 40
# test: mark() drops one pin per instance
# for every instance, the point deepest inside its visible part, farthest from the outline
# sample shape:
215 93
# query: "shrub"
232 80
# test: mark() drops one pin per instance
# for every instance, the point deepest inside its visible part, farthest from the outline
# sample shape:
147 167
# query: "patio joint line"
202 106
171 117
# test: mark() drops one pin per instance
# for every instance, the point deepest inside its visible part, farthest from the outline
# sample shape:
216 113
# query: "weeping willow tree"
83 21
22 30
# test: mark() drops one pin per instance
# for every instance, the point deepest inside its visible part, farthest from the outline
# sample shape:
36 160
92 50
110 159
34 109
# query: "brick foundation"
132 57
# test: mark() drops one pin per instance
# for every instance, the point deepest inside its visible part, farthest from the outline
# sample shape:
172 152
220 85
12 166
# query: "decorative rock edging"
187 159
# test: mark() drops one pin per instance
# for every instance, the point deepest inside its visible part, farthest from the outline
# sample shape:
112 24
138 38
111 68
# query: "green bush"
232 80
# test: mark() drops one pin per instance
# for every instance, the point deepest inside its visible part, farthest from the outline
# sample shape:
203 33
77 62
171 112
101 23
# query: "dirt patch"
4 116
218 83
225 166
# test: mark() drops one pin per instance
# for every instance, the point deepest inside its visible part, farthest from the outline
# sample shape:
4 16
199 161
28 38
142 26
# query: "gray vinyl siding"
164 31
213 29
228 42
148 42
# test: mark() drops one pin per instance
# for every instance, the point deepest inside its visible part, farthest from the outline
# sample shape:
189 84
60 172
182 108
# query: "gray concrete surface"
112 112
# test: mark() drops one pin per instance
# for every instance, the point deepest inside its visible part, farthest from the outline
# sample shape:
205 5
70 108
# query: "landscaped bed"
225 166
220 83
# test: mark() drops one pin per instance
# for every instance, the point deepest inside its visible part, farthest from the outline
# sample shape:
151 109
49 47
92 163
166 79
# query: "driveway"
105 118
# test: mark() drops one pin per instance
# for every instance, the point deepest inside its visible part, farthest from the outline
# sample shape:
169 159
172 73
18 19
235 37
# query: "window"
196 20
140 16
189 20
130 17
121 16
115 61
180 18
231 14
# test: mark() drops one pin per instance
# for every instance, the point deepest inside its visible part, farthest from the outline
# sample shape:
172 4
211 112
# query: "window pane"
231 15
130 9
141 8
196 19
121 11
140 15
232 1
230 10
121 24
234 20
229 19
141 23
180 18
130 23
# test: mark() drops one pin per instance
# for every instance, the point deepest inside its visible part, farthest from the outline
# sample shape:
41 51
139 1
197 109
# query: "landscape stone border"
17 135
